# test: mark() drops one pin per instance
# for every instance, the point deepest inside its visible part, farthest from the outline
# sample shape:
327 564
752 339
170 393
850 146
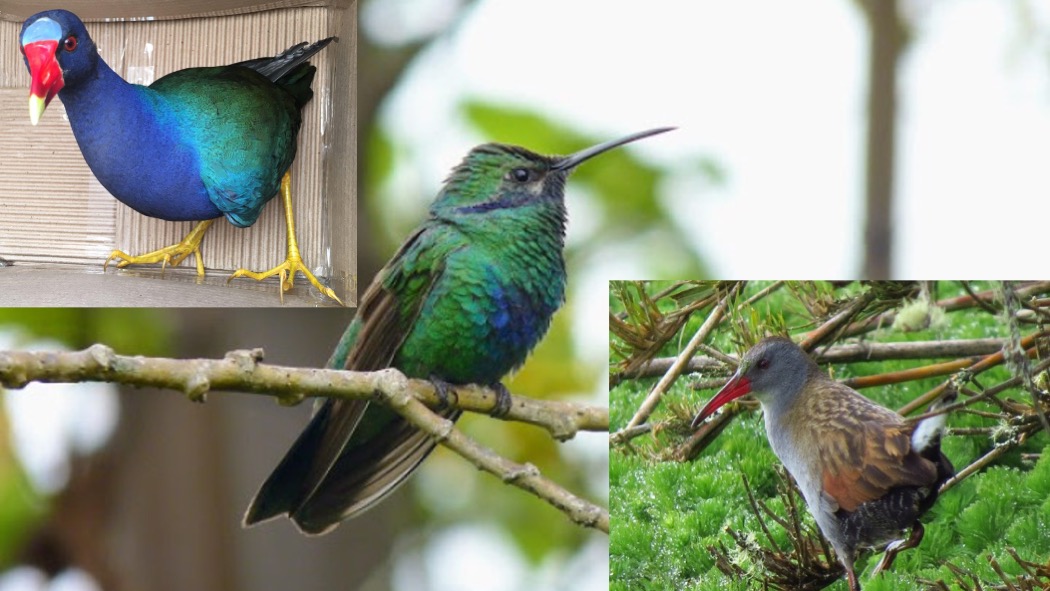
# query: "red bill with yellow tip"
46 75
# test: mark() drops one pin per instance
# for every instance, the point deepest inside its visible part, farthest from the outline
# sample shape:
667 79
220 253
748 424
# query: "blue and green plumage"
244 131
197 144
464 300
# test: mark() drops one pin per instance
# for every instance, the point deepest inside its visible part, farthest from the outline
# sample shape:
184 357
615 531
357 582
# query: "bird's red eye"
70 43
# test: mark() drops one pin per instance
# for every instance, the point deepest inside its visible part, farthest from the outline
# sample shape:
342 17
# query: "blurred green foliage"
666 513
129 331
134 331
21 508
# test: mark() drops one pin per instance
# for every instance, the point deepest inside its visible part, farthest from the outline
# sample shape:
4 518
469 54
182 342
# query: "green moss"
981 524
888 581
1039 478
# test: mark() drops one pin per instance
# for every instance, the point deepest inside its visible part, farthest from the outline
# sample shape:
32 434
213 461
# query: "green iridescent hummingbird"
464 301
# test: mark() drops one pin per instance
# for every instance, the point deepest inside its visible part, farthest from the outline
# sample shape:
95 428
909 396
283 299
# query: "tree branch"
849 353
524 476
242 371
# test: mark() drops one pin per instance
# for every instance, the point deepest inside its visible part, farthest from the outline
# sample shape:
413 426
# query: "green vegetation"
22 508
668 515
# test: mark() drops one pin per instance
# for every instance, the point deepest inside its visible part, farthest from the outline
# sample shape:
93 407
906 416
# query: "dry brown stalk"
845 353
702 333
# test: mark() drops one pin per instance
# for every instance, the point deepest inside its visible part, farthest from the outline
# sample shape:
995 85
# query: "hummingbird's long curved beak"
573 160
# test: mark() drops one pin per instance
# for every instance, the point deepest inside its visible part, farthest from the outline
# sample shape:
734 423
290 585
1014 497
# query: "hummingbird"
865 473
464 300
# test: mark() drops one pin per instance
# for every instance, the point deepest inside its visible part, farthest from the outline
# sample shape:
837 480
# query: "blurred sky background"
775 93
765 178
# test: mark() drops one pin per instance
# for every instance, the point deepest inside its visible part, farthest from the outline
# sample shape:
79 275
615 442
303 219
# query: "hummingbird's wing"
340 466
855 469
385 449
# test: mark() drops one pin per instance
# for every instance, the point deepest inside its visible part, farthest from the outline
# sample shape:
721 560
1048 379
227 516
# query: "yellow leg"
169 255
294 261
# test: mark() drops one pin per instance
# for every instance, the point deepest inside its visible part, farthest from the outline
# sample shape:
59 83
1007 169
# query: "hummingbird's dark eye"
70 43
520 174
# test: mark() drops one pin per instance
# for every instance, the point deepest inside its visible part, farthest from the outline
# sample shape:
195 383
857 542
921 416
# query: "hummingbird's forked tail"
325 479
365 475
307 463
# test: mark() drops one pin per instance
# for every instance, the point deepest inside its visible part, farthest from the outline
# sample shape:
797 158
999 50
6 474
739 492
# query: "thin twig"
772 287
707 432
873 351
729 360
672 374
987 362
1015 355
758 514
989 394
624 435
999 571
983 303
915 373
847 353
983 461
836 322
524 476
